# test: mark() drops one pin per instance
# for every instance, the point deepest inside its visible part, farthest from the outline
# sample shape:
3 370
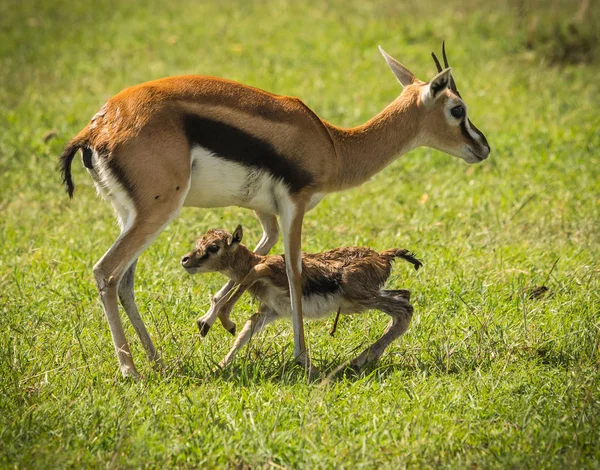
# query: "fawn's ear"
237 236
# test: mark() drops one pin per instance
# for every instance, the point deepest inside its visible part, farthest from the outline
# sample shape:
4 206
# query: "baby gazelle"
346 280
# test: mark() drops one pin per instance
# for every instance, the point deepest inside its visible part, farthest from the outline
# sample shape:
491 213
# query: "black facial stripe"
465 132
233 144
479 133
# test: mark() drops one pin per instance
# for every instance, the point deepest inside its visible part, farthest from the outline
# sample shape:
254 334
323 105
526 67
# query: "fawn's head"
214 251
444 124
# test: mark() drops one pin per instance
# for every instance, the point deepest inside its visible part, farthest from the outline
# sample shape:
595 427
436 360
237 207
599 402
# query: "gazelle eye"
458 111
213 248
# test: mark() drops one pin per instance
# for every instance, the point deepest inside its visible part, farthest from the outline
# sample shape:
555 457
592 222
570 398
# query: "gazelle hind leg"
147 190
268 240
254 324
127 298
109 272
401 312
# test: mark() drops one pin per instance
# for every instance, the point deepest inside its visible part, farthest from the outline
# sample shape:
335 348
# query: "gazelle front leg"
270 234
292 215
269 238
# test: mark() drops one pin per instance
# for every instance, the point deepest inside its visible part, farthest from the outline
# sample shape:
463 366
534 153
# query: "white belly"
313 306
216 182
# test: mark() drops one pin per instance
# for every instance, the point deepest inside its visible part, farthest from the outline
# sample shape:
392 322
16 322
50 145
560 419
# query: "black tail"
406 255
65 165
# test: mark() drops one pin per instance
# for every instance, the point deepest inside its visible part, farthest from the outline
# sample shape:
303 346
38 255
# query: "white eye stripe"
474 135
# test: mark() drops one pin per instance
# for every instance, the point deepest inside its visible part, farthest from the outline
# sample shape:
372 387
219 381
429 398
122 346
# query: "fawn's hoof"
203 327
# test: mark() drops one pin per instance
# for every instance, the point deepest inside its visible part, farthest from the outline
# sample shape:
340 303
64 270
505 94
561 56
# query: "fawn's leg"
254 324
401 312
268 240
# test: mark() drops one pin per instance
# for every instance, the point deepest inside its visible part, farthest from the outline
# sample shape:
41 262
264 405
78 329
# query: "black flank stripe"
235 145
321 285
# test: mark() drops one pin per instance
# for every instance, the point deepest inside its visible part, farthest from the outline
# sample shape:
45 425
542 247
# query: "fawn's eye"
213 248
458 111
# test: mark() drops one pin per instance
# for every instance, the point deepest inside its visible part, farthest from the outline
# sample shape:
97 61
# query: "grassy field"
486 377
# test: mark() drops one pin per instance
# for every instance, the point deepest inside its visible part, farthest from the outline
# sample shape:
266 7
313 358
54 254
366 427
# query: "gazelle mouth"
191 269
478 157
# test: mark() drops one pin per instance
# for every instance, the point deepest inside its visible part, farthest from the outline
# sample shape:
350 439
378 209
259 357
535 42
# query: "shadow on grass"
271 364
279 368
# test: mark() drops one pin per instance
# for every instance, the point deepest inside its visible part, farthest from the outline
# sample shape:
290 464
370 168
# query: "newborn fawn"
344 280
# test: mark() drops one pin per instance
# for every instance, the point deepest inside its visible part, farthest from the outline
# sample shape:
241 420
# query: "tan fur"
350 277
146 116
138 139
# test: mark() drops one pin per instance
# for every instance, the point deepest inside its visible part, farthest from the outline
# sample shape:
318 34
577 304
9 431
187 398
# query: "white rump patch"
111 190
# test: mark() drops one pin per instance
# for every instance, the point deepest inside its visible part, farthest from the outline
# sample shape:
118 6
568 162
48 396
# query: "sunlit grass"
485 376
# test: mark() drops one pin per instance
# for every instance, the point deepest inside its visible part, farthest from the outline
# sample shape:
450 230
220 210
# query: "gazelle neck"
365 150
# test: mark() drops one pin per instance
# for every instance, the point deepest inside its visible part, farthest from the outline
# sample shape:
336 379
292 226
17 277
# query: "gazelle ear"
404 76
237 236
437 85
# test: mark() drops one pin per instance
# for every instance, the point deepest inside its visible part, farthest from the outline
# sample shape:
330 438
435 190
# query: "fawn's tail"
405 255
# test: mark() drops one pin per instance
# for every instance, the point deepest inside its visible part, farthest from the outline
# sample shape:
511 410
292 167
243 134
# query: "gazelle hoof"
129 372
203 327
313 372
232 330
157 364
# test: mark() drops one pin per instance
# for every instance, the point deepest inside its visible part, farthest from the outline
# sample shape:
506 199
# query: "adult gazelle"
207 142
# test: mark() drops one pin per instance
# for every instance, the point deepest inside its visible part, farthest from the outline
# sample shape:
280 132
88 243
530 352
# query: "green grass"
485 376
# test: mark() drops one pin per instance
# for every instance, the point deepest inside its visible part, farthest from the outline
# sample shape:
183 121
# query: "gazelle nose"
487 150
184 261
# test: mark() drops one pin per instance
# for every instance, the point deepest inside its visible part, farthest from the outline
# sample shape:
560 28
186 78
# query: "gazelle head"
214 251
445 124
